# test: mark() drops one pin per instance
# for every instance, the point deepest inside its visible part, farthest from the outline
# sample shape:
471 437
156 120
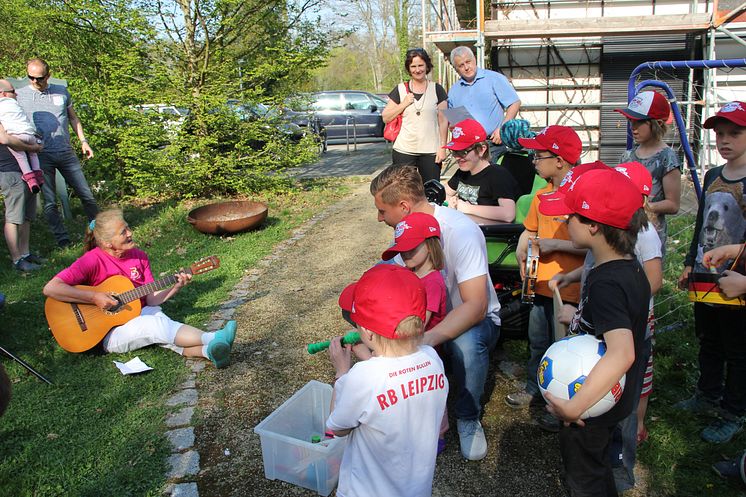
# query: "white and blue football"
565 366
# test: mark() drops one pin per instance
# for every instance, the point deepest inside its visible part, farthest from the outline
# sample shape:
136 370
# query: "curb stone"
184 459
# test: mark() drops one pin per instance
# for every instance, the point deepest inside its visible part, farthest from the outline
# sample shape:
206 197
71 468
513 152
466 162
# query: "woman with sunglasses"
424 129
478 187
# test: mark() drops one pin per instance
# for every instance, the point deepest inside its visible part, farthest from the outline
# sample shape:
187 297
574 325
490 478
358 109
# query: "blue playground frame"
633 89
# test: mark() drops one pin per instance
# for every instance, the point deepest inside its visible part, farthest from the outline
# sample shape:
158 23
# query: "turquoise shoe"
219 352
227 333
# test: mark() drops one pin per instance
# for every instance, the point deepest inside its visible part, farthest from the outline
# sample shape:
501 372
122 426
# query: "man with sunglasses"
50 108
487 95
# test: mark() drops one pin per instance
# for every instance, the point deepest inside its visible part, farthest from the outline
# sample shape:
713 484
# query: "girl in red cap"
648 113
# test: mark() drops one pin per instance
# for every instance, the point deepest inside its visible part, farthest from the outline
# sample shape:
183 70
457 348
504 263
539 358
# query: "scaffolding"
569 60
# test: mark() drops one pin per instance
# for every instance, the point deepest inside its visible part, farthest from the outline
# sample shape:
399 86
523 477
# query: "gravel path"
294 301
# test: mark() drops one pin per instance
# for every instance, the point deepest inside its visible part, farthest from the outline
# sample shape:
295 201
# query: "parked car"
285 123
173 117
343 112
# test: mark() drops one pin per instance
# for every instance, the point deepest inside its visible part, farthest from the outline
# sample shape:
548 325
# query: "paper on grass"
132 366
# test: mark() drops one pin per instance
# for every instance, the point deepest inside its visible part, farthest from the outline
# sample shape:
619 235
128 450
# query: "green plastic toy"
350 338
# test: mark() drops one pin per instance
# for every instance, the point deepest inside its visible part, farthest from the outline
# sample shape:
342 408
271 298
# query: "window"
357 101
328 101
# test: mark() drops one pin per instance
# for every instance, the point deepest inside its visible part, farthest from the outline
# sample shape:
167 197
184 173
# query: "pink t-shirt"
435 289
95 266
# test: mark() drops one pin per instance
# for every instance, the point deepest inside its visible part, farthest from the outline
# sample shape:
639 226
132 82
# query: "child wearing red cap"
417 240
631 431
648 114
392 404
605 216
721 329
479 187
557 149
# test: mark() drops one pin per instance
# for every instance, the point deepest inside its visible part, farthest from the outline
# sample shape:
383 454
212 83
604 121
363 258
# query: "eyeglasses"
37 78
537 158
463 153
415 51
12 90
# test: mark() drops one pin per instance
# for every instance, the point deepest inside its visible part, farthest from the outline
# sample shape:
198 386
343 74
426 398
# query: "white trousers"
151 327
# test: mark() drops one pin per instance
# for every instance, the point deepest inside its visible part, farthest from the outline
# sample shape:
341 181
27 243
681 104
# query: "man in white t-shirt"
391 404
472 326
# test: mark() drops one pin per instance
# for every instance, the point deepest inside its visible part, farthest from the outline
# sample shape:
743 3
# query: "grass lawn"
95 431
677 461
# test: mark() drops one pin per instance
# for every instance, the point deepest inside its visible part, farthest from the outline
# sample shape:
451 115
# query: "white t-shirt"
395 405
465 257
13 118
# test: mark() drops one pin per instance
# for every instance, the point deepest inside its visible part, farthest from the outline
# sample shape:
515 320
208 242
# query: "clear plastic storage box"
287 448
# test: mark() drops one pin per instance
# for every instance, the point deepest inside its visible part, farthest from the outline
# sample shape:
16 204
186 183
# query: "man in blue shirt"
487 95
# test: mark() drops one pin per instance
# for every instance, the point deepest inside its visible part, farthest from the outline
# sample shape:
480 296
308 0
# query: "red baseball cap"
734 112
604 196
410 232
385 295
647 105
638 174
465 134
560 140
553 203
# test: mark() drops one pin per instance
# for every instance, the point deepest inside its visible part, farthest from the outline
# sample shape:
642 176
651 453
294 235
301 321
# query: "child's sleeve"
348 402
531 222
691 256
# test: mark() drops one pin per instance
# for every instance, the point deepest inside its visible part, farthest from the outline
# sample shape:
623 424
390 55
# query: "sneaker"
546 421
31 182
722 430
227 333
732 468
219 352
520 399
35 259
699 404
25 266
472 440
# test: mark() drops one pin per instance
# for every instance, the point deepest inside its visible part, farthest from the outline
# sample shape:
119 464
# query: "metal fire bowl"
228 217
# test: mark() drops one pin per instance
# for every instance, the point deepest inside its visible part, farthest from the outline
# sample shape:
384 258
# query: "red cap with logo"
560 140
465 134
385 295
410 232
647 105
553 203
604 196
638 174
734 112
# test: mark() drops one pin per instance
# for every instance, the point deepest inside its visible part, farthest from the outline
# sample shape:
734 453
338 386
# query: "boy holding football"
605 215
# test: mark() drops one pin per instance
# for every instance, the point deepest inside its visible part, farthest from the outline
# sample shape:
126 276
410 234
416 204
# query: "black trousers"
585 456
425 164
722 355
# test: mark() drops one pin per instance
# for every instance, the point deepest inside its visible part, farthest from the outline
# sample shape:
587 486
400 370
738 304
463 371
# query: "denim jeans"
496 151
722 355
540 337
68 165
470 360
624 475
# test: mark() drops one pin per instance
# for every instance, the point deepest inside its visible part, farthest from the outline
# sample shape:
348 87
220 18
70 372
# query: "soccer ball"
566 364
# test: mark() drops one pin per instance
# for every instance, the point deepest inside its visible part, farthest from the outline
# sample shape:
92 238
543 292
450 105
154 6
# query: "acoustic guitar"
80 327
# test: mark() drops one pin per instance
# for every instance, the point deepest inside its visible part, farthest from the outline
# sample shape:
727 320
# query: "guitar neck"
142 291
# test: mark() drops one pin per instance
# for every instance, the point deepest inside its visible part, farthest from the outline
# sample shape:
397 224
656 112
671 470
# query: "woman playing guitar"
111 252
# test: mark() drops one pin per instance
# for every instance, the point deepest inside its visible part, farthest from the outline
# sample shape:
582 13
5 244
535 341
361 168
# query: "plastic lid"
315 439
